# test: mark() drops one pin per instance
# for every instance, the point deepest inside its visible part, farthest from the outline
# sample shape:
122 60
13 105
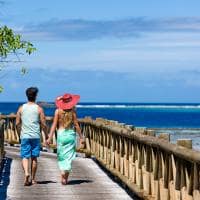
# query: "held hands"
45 142
48 141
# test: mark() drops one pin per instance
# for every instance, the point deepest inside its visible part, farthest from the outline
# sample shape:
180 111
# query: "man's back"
30 121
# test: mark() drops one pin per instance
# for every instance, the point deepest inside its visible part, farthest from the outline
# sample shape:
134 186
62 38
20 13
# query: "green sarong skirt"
66 146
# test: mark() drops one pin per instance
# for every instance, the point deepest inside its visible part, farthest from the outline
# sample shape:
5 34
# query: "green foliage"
1 89
11 43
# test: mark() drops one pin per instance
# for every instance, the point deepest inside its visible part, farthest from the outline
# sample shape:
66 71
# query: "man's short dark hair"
31 93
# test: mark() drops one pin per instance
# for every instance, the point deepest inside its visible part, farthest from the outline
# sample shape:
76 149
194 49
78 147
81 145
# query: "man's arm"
18 121
43 122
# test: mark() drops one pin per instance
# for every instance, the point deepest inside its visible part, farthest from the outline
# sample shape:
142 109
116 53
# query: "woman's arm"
76 125
53 126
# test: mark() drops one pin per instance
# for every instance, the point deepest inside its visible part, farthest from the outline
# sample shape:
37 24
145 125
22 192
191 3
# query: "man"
29 121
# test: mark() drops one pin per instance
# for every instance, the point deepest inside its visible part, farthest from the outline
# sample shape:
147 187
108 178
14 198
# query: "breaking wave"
138 106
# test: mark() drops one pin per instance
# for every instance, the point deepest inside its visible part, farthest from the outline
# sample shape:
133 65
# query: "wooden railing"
151 167
10 132
11 136
1 140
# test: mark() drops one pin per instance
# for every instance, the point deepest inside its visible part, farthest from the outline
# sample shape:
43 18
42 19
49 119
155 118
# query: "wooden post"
165 194
147 177
187 143
92 139
121 147
126 158
1 139
135 159
156 176
117 154
107 146
104 145
150 133
196 193
112 151
5 130
164 136
130 158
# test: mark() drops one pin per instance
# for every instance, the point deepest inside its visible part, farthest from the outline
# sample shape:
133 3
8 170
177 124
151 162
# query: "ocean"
181 120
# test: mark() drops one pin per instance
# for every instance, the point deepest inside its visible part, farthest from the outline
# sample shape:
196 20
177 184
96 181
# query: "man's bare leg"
33 169
25 165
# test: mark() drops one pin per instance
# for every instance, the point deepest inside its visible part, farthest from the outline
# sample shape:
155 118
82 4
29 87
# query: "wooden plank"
87 181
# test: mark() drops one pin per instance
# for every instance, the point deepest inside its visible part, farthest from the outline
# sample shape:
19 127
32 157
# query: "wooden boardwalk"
86 182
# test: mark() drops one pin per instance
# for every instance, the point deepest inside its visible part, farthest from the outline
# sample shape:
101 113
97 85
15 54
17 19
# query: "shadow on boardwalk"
5 177
78 182
71 182
45 182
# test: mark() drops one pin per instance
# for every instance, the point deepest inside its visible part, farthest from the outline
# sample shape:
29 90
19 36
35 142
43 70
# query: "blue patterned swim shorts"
30 148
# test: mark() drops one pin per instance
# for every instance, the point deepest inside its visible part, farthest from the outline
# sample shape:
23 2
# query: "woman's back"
65 119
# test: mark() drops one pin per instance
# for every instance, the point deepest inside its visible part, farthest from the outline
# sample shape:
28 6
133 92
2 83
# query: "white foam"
140 106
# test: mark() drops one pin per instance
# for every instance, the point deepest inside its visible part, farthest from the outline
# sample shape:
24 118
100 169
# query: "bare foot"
64 182
26 180
63 179
34 182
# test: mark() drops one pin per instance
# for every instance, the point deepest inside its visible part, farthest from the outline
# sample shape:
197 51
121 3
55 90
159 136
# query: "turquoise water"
180 120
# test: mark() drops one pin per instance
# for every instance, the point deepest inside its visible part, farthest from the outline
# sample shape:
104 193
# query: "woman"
65 120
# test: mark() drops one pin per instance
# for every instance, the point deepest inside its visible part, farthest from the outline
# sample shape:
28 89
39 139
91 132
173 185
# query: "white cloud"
81 30
169 52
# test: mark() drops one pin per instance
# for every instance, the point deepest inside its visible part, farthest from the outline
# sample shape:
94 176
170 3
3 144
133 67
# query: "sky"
106 51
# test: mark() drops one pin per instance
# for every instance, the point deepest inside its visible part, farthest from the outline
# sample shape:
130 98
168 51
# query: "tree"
12 44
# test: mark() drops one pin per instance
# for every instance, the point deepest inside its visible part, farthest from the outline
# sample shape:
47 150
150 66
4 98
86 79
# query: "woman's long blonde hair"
67 118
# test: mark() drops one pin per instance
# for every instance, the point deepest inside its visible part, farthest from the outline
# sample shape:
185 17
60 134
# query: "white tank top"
30 121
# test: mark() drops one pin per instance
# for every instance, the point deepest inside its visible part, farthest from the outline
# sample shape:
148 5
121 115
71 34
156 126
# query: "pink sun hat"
67 101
